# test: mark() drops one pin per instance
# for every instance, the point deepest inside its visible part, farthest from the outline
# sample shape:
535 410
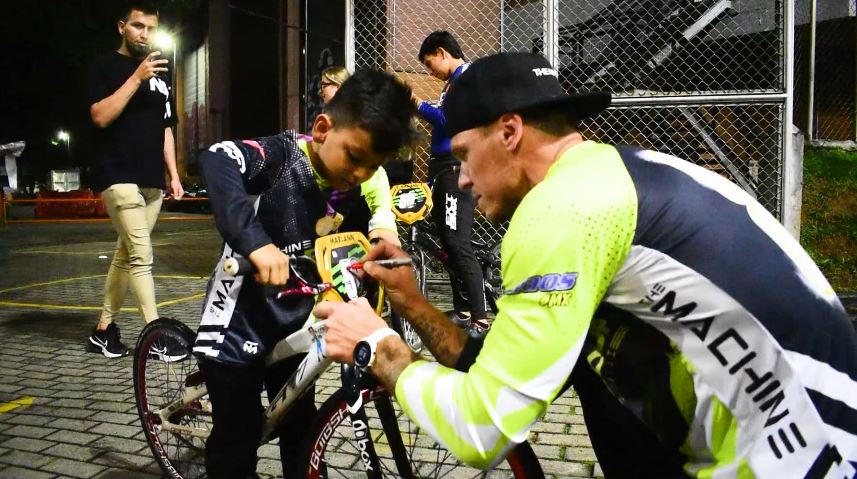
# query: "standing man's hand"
176 190
151 66
272 265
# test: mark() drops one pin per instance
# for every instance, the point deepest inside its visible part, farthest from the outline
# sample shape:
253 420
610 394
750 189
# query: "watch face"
362 354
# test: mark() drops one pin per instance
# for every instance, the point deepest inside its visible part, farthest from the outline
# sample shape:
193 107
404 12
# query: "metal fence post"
792 160
810 103
551 32
349 35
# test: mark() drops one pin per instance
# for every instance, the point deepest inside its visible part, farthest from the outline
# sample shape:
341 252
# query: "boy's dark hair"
440 39
146 7
378 103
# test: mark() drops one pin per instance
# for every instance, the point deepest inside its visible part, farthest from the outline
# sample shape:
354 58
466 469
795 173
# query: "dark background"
47 47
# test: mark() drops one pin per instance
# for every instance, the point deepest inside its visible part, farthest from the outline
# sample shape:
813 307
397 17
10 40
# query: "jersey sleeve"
376 191
235 172
431 114
566 241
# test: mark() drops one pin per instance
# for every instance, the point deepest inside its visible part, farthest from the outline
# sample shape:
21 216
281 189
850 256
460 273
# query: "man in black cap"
700 337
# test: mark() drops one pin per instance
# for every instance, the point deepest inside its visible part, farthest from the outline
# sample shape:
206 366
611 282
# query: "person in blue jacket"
453 211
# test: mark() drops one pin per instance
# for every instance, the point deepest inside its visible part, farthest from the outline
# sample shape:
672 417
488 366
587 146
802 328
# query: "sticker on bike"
411 202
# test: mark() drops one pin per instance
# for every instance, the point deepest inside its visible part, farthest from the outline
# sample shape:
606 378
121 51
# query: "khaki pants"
133 211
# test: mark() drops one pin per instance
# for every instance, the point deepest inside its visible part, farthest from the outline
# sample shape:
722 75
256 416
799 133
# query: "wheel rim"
159 383
336 447
409 334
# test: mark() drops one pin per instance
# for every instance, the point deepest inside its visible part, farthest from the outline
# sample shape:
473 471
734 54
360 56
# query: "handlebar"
238 266
241 266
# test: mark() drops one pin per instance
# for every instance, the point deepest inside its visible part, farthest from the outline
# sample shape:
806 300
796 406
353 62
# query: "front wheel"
333 451
418 260
401 325
164 371
406 331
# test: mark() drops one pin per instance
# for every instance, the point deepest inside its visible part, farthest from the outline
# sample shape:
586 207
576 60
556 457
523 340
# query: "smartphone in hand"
154 56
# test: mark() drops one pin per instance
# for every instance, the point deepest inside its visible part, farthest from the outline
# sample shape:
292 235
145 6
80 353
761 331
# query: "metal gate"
705 80
826 70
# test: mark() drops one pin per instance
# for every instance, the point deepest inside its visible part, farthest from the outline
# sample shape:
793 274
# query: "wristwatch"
364 351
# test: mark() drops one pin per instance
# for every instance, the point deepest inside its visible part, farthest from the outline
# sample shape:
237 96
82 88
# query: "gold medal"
325 225
337 221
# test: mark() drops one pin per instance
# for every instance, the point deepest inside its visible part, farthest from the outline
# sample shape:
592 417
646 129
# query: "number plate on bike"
333 254
411 202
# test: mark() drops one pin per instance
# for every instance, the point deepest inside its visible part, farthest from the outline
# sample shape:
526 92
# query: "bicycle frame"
187 416
313 365
310 340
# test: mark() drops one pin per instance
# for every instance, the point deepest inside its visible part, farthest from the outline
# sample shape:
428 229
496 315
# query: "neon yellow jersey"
375 190
542 323
697 310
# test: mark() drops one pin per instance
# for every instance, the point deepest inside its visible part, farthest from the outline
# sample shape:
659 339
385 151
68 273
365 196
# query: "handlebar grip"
238 266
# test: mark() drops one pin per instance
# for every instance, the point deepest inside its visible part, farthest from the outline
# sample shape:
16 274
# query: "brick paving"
76 415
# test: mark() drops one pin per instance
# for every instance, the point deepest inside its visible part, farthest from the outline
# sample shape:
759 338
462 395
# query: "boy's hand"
386 236
272 265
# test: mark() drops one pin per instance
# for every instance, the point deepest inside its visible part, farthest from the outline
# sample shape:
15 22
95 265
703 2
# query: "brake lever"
305 290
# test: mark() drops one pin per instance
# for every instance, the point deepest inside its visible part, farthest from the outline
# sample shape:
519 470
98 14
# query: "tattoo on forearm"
444 339
392 360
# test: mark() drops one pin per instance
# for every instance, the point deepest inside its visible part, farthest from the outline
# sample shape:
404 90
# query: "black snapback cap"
510 82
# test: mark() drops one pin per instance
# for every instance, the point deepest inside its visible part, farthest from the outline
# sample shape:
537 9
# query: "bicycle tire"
400 324
158 382
418 259
406 331
331 452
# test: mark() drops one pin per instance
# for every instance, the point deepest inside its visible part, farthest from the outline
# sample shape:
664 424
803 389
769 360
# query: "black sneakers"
107 342
167 349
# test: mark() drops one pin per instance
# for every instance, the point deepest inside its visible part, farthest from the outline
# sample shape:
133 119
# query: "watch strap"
372 341
376 337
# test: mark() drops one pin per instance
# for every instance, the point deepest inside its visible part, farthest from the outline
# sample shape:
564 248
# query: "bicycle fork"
354 387
194 390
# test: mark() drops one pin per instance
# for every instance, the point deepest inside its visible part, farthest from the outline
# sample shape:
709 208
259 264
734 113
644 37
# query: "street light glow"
63 135
164 40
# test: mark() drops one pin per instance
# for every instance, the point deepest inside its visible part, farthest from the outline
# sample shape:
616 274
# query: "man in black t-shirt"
131 106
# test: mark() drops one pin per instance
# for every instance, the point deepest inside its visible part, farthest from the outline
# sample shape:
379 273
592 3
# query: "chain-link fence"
825 101
740 142
710 54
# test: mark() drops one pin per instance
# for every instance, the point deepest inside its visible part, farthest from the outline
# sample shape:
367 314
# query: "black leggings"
231 449
453 217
